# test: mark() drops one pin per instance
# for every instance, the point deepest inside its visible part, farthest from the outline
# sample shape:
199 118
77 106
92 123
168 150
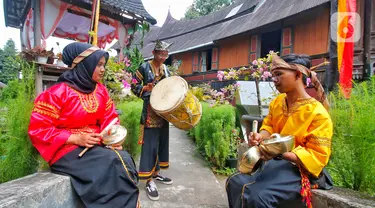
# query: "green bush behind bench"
213 133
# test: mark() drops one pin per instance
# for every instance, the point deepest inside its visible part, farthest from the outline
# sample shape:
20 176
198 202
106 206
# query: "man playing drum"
154 135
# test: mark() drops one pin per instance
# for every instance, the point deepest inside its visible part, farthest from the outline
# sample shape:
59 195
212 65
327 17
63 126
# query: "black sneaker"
152 191
159 177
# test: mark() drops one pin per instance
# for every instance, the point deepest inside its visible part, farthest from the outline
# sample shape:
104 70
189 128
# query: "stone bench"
341 198
47 190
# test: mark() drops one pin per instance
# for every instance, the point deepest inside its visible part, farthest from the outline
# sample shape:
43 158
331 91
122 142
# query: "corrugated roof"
193 33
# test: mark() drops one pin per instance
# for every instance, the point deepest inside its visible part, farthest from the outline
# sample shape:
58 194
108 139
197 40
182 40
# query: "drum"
115 135
172 100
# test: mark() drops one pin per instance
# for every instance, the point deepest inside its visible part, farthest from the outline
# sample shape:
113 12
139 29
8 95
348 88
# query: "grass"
353 154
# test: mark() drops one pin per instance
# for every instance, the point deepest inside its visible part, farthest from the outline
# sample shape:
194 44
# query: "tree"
205 7
9 67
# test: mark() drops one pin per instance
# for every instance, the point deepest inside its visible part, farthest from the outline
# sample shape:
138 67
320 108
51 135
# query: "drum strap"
165 71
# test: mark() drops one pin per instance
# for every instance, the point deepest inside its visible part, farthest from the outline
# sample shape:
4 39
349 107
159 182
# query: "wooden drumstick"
255 126
101 134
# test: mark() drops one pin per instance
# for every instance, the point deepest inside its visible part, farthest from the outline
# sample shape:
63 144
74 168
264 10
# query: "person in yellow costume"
287 180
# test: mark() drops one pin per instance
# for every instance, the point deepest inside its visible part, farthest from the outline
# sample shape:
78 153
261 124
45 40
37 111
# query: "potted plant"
59 60
233 146
38 53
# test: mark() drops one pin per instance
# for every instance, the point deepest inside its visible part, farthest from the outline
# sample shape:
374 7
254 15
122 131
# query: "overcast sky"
157 8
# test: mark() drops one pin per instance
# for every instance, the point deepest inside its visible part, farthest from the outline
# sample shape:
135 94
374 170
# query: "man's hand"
290 156
254 139
264 155
149 87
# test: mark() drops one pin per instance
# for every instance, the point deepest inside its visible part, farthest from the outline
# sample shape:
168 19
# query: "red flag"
345 43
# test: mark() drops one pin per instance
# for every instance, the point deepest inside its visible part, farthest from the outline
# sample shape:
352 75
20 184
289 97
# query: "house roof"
15 11
190 34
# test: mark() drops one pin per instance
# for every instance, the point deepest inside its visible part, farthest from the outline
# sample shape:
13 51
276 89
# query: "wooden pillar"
37 39
367 39
23 47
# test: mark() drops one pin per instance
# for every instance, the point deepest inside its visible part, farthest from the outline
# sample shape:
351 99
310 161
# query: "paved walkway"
195 186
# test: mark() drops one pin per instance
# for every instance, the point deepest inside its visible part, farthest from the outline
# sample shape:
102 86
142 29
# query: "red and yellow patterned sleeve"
44 134
109 112
315 154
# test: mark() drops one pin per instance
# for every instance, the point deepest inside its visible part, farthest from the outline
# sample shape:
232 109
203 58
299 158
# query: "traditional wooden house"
236 35
71 19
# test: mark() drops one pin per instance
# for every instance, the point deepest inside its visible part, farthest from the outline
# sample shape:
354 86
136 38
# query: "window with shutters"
206 60
287 41
254 48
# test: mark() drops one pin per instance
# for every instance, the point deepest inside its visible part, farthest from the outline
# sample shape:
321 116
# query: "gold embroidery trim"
46 109
139 75
89 102
300 102
109 104
161 70
319 141
243 191
83 130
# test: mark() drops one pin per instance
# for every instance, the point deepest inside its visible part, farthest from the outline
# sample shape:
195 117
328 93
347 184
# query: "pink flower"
134 81
266 74
127 61
231 73
220 75
308 81
126 84
261 62
255 62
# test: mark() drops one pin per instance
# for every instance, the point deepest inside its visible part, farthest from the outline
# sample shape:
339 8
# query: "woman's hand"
85 140
255 139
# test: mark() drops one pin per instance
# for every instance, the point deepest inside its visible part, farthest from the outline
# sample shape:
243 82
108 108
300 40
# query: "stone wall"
44 190
47 190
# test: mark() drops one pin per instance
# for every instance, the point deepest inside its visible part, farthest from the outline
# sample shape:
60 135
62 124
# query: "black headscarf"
80 77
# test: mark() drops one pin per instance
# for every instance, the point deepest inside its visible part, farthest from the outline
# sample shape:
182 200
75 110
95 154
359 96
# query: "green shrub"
131 115
19 156
10 91
353 154
213 133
